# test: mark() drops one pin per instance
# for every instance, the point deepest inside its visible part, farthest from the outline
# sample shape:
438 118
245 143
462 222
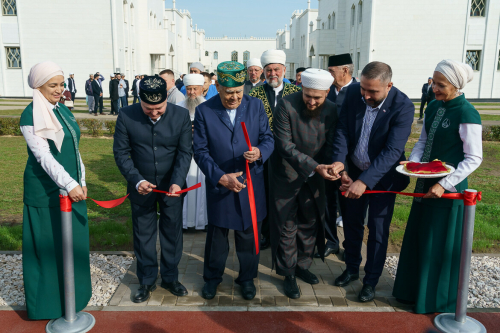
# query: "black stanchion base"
446 323
83 323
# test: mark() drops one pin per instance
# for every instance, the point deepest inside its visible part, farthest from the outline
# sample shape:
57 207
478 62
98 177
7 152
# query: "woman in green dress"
54 163
429 262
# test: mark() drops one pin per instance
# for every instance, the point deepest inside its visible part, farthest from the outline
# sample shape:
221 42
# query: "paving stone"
240 301
268 301
156 299
382 302
353 301
304 301
225 300
271 292
169 300
190 300
324 301
325 290
338 301
281 300
212 302
306 290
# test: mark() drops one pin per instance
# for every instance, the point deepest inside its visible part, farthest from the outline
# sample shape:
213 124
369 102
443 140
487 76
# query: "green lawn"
111 229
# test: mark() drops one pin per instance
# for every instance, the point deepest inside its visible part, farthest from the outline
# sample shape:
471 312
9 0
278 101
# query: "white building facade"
411 36
107 36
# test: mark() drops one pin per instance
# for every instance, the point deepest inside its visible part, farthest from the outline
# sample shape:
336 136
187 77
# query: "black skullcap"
300 69
340 60
153 90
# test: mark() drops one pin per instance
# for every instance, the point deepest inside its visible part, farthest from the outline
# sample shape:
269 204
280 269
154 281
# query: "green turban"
231 74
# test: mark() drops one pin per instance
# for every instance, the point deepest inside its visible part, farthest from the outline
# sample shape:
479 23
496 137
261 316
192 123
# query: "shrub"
491 133
110 125
93 126
10 126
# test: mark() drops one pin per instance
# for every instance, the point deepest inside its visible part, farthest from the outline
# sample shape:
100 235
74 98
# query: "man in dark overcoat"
304 125
153 149
221 153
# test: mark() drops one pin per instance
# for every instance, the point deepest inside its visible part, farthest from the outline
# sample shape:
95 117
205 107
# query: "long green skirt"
429 262
43 260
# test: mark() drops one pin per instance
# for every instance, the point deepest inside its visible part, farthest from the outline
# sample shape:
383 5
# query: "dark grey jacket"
159 153
249 86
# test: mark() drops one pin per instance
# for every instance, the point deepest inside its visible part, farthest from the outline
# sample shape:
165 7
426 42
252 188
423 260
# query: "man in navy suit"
221 153
374 126
153 149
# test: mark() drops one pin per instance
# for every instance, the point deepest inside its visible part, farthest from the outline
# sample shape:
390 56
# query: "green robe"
429 262
42 242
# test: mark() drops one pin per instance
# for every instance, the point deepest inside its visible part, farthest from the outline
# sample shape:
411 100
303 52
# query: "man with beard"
153 149
270 93
174 96
304 125
221 152
341 68
374 126
254 69
194 211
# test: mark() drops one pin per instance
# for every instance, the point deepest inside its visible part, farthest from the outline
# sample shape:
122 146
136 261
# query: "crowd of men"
306 149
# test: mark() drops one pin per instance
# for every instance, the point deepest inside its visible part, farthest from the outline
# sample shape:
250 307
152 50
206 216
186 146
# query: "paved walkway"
320 297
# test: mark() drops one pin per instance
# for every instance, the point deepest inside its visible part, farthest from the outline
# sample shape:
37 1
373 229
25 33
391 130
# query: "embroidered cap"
231 74
153 90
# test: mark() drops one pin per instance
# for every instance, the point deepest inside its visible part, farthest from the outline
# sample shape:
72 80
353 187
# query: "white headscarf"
458 73
45 122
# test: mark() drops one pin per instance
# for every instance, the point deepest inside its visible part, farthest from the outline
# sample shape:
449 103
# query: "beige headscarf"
458 73
44 120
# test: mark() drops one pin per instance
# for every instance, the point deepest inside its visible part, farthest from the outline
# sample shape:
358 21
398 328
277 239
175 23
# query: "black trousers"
97 102
422 104
266 232
101 103
73 97
333 199
145 234
217 250
380 210
136 99
298 236
115 106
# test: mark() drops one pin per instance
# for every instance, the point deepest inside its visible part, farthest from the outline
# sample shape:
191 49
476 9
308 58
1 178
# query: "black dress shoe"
248 290
264 243
328 251
143 293
345 278
366 294
175 288
291 287
306 276
209 290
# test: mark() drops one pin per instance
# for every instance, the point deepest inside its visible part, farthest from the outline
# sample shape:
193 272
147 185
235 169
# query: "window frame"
475 7
216 55
8 56
234 54
12 4
478 62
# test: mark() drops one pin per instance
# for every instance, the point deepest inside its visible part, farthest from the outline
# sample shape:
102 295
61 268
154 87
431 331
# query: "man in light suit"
374 126
153 148
221 153
254 69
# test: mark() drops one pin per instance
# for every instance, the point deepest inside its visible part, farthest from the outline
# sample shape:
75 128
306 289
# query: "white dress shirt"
277 92
338 91
232 115
471 135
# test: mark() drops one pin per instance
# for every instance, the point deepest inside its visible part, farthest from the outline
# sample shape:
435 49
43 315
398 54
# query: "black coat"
338 99
159 153
127 88
301 143
113 89
96 88
134 92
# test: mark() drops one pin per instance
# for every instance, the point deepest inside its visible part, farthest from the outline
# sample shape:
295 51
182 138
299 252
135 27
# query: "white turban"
254 62
273 57
318 79
193 80
198 65
458 73
45 122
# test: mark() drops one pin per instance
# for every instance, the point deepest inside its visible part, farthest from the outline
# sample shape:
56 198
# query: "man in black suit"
97 92
113 95
134 90
72 86
374 126
127 88
153 149
427 96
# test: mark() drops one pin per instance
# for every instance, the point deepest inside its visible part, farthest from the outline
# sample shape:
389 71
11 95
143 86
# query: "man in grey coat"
174 96
254 69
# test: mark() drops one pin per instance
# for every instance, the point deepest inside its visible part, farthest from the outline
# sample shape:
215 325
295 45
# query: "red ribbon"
251 196
469 198
66 201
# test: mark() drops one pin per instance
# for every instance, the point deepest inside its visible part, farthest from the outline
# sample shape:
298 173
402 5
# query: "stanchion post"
459 322
72 322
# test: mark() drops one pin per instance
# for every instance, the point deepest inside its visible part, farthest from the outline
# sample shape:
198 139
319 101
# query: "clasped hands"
353 190
77 194
230 180
146 187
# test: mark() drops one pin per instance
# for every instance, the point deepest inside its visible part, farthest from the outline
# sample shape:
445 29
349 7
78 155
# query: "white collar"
335 88
157 120
278 89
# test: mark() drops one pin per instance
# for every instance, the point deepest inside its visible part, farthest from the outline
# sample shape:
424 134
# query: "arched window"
216 55
9 7
360 11
478 8
353 15
125 11
311 51
329 21
234 56
246 57
323 25
131 14
206 53
293 43
333 20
